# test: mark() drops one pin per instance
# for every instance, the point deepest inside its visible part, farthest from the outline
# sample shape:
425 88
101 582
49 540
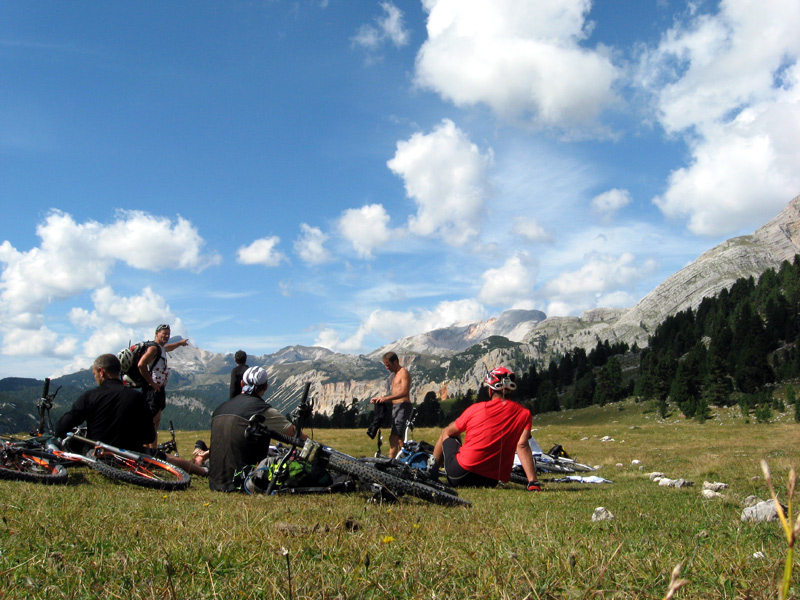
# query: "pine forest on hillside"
733 349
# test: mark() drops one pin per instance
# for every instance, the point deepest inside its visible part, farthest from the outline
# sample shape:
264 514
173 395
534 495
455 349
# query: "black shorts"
156 400
401 413
457 475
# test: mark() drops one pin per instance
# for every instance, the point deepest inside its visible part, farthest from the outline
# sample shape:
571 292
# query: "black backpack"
129 362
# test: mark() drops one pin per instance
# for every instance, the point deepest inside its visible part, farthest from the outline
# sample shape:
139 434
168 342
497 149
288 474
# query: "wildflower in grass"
207 504
164 496
415 525
387 539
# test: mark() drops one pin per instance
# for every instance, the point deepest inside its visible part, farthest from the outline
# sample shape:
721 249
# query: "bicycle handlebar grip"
46 389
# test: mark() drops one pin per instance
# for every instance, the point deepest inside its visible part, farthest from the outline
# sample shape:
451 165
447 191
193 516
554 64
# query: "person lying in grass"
493 432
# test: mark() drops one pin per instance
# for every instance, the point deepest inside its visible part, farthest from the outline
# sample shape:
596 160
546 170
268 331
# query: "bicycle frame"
409 453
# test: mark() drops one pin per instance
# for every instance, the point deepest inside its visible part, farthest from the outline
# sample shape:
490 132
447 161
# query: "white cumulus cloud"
601 278
388 27
75 257
310 245
511 283
154 243
607 203
446 176
263 251
530 229
730 83
366 228
523 59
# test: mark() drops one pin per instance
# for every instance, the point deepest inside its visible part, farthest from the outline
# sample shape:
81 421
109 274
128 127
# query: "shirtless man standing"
399 399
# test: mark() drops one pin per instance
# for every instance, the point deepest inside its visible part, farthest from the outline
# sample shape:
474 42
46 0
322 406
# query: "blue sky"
347 173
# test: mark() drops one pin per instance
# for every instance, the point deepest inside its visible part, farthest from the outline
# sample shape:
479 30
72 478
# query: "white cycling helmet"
125 357
501 379
253 378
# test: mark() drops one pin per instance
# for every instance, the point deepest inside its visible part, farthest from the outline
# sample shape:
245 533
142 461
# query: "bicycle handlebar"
309 449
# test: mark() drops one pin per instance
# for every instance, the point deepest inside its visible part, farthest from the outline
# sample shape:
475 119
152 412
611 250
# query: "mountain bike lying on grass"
43 458
555 461
395 483
412 453
412 460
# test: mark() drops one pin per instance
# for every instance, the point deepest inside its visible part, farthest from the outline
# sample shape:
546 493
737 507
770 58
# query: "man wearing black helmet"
494 431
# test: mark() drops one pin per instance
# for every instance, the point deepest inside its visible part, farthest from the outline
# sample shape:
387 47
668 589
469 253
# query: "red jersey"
493 430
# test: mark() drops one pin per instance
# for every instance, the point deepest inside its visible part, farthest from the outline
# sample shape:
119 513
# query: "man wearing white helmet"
494 431
230 451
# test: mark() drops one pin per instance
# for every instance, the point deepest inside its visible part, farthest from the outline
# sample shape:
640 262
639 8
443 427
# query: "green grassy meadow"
97 539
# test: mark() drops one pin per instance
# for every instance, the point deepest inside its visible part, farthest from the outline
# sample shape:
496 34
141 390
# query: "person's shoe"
432 474
533 486
372 431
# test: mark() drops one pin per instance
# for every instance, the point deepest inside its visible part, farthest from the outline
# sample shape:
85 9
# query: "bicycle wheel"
23 466
517 477
143 470
548 464
578 466
402 470
351 466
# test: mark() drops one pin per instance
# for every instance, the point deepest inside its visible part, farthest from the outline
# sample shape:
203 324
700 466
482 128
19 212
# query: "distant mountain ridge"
512 324
451 360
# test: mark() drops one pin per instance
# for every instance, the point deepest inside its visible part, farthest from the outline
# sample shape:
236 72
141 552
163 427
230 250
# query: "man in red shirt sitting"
494 431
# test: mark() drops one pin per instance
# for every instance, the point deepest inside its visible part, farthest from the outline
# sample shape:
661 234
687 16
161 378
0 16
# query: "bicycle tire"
348 465
144 471
404 471
576 466
554 468
23 466
519 478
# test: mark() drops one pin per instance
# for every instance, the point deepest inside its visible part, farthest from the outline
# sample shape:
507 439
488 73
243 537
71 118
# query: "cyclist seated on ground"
201 453
231 451
117 415
493 432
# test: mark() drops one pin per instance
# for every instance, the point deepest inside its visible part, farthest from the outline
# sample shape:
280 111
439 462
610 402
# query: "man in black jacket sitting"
230 450
117 415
